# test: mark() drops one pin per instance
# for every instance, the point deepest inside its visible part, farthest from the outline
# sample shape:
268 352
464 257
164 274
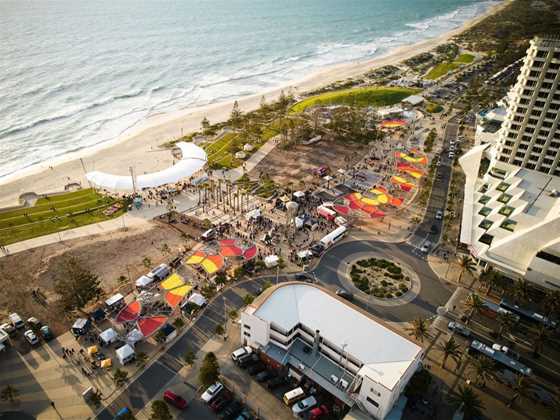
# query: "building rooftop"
386 354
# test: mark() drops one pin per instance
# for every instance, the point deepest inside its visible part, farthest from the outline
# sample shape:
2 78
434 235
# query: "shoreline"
133 148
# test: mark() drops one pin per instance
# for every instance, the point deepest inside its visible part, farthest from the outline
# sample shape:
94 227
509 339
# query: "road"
432 294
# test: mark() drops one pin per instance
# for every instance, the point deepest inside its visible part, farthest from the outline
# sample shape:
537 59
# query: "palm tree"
466 400
450 348
552 302
9 393
474 304
466 264
542 336
520 291
519 389
506 320
419 329
483 369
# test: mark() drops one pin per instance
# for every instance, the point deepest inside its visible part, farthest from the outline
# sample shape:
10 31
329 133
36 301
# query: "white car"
31 337
212 392
304 405
439 215
242 351
426 246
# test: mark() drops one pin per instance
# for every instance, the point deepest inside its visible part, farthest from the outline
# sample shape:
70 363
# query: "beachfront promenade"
185 203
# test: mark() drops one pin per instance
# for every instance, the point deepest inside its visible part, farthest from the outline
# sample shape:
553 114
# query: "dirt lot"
294 164
110 256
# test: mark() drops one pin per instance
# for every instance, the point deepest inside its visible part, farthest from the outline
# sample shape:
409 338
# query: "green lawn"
465 59
441 69
54 214
366 96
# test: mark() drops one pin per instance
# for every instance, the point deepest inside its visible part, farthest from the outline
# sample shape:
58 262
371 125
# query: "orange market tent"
175 296
130 312
150 325
212 264
197 258
106 363
410 170
402 183
172 282
423 160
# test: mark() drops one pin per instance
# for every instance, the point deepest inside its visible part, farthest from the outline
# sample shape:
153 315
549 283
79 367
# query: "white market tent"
108 336
194 158
271 261
197 299
253 214
413 100
125 354
306 253
134 336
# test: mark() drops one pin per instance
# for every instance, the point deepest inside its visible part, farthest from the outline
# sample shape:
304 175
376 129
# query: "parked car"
264 376
123 413
317 249
232 411
245 415
345 294
46 333
426 246
276 382
541 395
220 402
506 376
242 351
175 400
212 392
209 235
304 405
8 328
439 215
459 329
318 412
256 368
248 360
16 321
34 323
31 337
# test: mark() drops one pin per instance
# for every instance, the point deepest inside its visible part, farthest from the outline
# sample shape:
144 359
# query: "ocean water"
74 74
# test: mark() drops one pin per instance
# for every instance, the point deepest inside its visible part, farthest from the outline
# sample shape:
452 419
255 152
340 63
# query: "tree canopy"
77 286
209 371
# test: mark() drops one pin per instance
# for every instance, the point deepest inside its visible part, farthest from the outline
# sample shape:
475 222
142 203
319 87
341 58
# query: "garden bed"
381 278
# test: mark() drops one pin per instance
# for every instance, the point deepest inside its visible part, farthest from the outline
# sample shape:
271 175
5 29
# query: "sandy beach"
139 148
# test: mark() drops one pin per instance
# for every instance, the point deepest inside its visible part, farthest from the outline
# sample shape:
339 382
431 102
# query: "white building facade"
511 209
314 333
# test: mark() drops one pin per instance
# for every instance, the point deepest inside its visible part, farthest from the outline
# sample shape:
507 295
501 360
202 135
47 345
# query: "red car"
175 400
318 412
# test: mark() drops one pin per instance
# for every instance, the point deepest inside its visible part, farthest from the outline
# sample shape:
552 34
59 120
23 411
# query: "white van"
16 321
293 396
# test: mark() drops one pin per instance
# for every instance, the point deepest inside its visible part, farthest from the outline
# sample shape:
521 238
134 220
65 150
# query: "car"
276 382
220 402
317 249
123 413
304 405
242 351
34 323
46 333
426 247
175 400
8 328
439 215
506 376
209 235
232 411
16 321
245 415
264 376
345 294
212 392
459 329
248 360
541 395
318 412
256 368
306 277
31 337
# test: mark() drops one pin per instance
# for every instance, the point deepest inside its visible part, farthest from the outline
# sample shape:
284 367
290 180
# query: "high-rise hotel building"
530 135
511 209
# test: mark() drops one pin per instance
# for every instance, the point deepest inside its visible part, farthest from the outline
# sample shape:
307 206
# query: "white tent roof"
134 336
108 336
124 352
144 281
385 354
253 214
271 260
299 194
194 159
197 299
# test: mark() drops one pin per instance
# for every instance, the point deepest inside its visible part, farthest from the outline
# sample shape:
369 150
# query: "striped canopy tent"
197 258
344 210
250 253
410 170
149 325
237 248
172 282
212 264
402 183
422 160
357 203
393 123
130 312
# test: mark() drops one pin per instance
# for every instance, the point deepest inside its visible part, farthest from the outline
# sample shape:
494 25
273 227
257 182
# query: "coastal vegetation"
359 97
379 277
55 213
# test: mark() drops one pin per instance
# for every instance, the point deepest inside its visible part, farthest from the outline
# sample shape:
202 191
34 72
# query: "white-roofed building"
314 333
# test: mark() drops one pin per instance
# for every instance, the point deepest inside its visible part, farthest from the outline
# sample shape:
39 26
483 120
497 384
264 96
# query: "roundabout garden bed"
381 278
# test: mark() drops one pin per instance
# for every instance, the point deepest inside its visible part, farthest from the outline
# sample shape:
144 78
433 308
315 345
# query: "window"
486 224
504 198
485 211
484 199
531 166
248 327
548 257
506 211
372 402
486 239
503 186
483 189
247 334
547 161
508 224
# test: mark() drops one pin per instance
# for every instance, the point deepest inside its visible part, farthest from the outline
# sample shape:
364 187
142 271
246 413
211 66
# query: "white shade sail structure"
194 158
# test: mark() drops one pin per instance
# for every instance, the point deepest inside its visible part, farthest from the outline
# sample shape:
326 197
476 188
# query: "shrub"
402 286
394 269
388 295
398 293
404 290
384 283
363 263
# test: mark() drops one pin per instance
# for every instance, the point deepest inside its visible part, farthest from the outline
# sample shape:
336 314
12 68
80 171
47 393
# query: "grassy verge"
465 59
365 96
441 70
54 214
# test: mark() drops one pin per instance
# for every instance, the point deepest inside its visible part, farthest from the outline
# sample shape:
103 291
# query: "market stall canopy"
144 281
107 363
92 350
194 158
212 264
197 258
271 261
172 282
130 312
150 325
108 336
253 214
197 299
134 336
124 353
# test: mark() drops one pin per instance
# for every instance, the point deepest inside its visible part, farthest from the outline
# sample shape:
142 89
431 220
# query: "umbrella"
92 350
